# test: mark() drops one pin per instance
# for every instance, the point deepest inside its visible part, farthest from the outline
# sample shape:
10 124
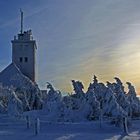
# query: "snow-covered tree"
133 100
78 88
53 103
4 93
121 95
30 96
111 106
106 98
15 107
80 106
94 104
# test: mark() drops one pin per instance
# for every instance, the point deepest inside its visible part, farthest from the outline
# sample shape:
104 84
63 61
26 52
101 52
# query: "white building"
23 59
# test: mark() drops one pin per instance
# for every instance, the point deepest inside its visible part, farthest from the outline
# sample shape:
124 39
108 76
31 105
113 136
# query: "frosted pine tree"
133 100
22 95
80 109
38 102
52 94
121 95
78 88
94 85
94 104
68 107
31 97
15 106
4 93
111 106
53 106
106 97
77 107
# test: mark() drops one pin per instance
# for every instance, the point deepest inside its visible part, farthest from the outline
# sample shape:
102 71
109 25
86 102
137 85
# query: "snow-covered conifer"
133 100
121 95
15 107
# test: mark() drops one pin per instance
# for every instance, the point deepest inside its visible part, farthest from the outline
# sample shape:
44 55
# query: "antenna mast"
21 14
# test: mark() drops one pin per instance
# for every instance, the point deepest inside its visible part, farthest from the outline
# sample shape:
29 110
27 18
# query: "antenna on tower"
21 24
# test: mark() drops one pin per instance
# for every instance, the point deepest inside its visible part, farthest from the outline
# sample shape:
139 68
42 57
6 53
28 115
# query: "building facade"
24 54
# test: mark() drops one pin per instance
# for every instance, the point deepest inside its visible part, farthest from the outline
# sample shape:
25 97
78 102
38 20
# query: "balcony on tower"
26 36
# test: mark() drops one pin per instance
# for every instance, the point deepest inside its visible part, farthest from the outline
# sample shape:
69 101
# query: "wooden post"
101 118
125 125
28 122
37 126
101 114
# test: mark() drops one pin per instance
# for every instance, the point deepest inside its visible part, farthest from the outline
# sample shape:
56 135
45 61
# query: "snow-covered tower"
24 52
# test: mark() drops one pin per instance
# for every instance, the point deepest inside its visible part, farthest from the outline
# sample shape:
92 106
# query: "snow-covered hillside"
16 130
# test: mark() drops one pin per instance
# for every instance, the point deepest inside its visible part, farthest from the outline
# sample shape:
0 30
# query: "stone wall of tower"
24 54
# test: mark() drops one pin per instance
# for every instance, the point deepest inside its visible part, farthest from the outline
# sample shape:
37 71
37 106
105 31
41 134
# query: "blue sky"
77 38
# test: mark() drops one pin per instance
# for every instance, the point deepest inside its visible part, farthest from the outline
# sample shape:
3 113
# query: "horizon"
77 39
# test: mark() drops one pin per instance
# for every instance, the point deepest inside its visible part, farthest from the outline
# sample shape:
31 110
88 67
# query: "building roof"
12 76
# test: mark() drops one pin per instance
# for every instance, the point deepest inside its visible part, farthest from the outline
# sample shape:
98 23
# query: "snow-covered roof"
12 76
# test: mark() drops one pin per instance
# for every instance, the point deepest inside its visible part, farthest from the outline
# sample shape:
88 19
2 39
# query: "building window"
26 59
20 59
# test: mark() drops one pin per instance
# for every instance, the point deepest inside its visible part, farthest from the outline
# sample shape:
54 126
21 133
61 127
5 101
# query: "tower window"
26 59
20 59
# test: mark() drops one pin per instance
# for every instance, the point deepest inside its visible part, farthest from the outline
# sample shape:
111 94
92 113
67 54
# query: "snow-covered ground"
16 130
